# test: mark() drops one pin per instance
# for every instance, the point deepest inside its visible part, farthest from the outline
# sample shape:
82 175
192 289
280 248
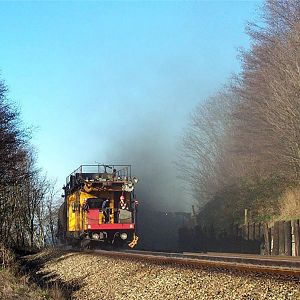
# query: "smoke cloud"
150 148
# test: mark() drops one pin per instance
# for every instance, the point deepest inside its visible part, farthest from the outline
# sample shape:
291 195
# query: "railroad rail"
276 265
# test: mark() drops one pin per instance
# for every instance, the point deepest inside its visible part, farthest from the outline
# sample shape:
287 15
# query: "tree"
241 148
27 204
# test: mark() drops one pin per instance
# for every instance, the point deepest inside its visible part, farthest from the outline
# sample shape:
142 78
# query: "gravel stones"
102 277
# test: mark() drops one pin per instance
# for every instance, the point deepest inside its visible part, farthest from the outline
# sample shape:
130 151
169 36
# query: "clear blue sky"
99 79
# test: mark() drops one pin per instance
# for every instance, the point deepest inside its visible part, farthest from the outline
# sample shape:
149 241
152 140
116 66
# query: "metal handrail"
121 170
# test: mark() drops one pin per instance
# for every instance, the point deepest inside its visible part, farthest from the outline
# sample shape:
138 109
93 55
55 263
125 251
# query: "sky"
113 81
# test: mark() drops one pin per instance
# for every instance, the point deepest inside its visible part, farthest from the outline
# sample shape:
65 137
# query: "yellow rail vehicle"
99 206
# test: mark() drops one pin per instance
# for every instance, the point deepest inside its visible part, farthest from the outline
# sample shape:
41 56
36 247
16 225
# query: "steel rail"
254 264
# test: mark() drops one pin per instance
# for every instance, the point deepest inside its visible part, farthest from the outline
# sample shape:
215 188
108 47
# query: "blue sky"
108 81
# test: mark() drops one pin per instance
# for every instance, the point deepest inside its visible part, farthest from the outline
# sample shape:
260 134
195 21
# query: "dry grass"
289 204
7 257
15 286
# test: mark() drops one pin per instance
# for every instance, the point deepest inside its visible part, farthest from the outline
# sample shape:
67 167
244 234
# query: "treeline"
27 198
241 148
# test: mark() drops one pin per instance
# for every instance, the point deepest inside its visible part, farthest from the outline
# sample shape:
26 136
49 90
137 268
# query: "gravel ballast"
101 277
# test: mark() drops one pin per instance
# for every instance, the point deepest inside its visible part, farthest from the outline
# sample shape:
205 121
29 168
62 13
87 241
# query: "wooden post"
287 238
246 232
275 249
261 231
235 230
194 218
246 217
257 232
251 232
193 210
281 237
267 239
240 231
296 231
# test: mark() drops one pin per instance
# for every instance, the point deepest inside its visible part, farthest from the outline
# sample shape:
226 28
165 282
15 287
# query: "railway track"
276 265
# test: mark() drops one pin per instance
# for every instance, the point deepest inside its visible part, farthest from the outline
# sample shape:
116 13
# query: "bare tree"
242 146
24 200
267 118
203 147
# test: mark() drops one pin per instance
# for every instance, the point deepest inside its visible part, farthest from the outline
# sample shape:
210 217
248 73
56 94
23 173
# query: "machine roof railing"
115 171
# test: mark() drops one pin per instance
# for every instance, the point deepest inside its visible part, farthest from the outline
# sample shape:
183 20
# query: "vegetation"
16 283
27 205
241 148
27 198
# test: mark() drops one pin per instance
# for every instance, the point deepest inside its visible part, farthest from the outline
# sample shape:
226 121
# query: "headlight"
95 236
123 236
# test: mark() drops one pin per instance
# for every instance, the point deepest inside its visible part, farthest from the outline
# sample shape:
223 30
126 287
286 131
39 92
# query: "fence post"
296 231
275 250
257 231
281 237
246 217
267 239
235 230
251 231
287 238
246 231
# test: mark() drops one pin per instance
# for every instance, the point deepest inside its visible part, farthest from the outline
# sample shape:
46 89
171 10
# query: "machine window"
95 203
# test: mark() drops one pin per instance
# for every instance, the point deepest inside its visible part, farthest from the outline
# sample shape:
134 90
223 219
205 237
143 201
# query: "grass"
15 285
14 288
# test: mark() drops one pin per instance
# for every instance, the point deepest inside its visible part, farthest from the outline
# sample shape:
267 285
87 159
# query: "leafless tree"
248 135
203 146
27 208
